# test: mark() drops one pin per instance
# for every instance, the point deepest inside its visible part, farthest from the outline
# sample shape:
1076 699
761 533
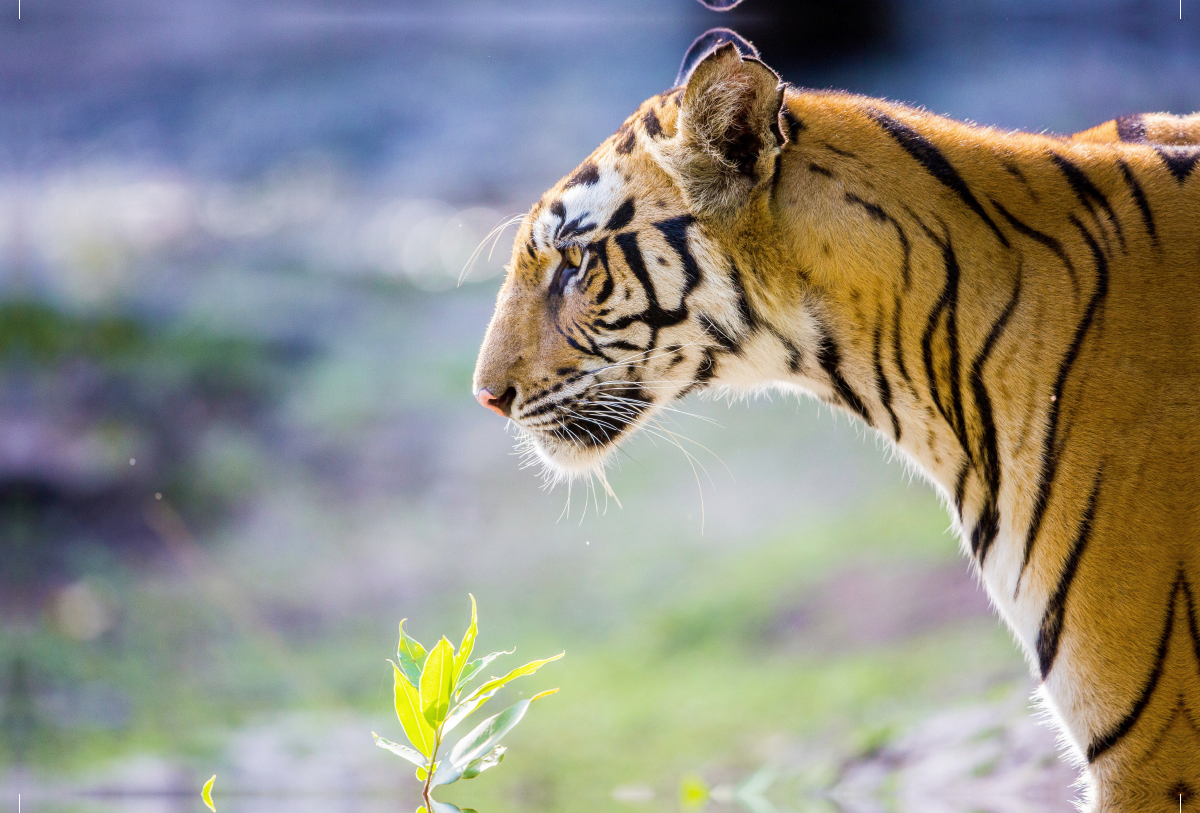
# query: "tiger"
1018 315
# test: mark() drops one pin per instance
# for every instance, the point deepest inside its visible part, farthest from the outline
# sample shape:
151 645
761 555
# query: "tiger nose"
501 406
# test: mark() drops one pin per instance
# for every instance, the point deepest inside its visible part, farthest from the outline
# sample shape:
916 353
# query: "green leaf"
206 793
489 760
468 643
447 773
520 671
472 669
400 750
437 683
463 710
408 709
488 733
446 807
411 657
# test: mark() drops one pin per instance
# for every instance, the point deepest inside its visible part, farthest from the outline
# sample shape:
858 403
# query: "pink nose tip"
497 405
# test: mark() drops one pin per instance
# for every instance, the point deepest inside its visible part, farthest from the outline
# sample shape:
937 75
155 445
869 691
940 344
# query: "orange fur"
1017 312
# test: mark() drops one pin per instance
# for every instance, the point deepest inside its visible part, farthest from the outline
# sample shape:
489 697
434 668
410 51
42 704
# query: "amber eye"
573 258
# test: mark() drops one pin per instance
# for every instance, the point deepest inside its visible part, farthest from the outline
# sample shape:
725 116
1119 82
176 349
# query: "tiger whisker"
494 236
662 407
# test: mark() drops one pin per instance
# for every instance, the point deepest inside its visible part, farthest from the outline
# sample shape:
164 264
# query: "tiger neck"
863 290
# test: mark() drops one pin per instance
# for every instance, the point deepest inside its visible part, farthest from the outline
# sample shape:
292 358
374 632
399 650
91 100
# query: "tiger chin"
1019 314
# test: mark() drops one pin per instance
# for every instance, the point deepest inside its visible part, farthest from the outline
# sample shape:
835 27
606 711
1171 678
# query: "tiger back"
1017 313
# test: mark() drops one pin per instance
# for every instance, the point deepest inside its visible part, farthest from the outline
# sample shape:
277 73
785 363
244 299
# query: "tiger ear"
728 133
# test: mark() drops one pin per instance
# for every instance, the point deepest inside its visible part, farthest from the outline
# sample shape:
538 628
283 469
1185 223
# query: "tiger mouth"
589 426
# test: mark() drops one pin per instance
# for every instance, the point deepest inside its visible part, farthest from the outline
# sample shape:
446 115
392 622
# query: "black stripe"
1050 631
529 403
575 228
960 487
930 157
588 174
1087 193
905 269
601 250
591 341
628 243
1015 171
1049 443
1046 240
837 151
931 325
1180 160
591 271
587 351
897 349
952 272
1107 741
625 146
881 382
619 345
988 526
1131 129
749 318
1139 197
714 332
588 332
830 359
599 424
820 170
675 231
873 209
652 124
621 217
1193 629
794 125
654 316
795 358
948 303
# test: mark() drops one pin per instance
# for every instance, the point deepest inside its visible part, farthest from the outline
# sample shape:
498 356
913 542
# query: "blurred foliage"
105 414
161 360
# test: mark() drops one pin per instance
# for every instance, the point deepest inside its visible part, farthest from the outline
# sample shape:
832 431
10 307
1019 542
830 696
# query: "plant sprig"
432 699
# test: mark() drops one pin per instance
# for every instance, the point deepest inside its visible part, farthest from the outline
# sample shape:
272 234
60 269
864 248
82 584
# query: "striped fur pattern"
1018 313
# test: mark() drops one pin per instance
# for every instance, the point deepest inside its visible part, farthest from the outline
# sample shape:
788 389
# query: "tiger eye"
573 256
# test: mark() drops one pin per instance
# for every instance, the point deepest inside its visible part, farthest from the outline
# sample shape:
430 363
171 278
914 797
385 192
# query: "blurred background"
237 442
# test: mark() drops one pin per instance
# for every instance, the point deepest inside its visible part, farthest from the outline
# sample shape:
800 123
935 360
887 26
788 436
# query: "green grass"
684 679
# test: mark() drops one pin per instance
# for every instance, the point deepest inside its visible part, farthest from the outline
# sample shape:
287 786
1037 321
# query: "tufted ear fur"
728 134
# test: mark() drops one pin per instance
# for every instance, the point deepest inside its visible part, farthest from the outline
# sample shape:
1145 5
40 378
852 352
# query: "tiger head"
623 292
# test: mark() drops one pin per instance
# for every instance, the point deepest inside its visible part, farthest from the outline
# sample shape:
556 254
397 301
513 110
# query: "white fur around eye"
599 200
595 203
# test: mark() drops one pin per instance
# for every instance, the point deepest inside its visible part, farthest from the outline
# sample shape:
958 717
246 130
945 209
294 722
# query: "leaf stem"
437 742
